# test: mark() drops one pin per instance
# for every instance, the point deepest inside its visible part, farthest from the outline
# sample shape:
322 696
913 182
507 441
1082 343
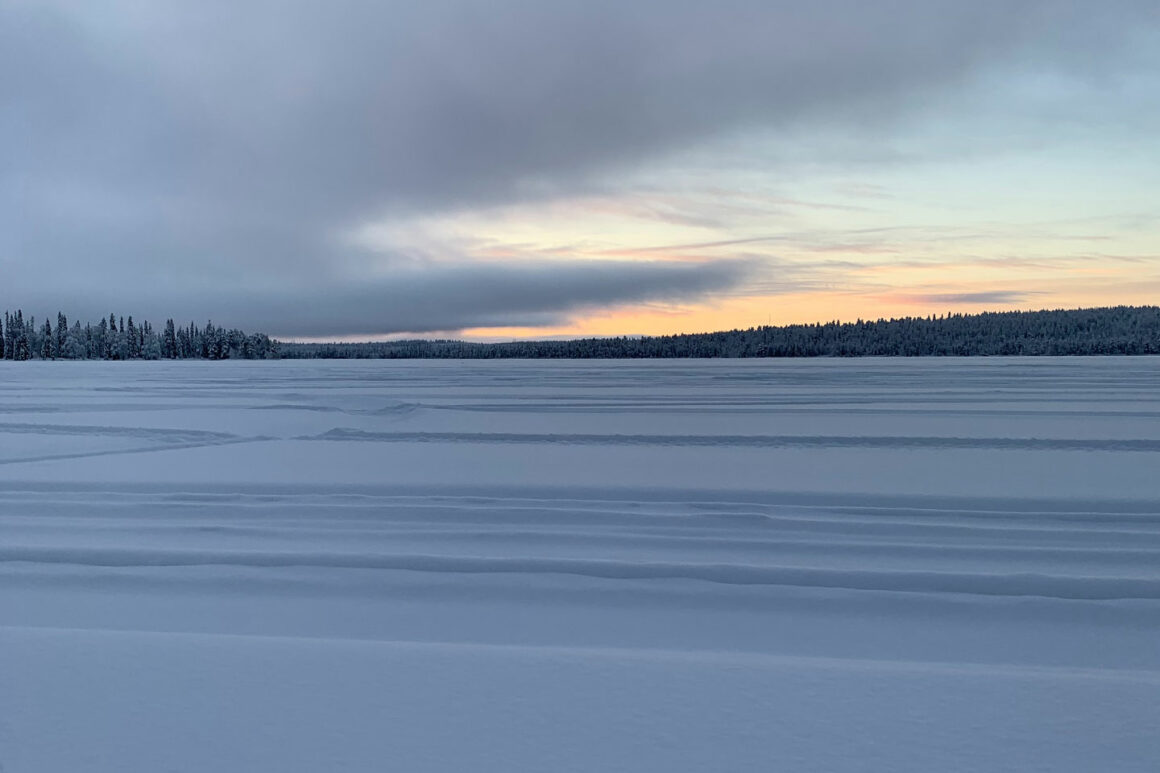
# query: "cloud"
996 297
151 145
441 297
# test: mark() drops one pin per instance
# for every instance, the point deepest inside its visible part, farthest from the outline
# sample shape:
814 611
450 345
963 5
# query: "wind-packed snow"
805 565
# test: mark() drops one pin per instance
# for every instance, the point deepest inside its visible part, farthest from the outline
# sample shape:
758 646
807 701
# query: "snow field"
800 565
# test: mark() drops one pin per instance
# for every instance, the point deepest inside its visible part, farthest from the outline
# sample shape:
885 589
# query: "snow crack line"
906 581
754 441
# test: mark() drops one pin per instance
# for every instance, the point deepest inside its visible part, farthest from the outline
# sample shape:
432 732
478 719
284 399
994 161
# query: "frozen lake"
807 565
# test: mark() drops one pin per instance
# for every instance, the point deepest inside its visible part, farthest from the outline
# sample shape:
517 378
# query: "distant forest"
1116 330
24 339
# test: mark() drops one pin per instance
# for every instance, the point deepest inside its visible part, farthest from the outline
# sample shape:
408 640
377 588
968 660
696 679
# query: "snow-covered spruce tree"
21 349
169 341
74 343
61 334
132 343
48 345
15 330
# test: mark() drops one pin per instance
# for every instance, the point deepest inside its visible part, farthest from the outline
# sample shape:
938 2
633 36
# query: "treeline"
24 339
1116 330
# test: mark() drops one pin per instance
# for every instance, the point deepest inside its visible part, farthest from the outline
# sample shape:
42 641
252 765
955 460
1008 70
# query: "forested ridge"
1112 330
117 339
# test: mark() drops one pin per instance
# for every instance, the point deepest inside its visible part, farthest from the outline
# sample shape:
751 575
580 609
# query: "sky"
507 169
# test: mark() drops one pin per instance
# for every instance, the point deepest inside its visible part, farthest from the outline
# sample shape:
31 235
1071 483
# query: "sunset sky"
516 169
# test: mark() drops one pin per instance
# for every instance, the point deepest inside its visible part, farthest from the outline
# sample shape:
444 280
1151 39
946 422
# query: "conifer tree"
169 347
48 346
131 342
102 340
20 350
61 335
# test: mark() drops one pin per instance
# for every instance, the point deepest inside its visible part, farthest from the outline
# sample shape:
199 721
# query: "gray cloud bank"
435 298
195 151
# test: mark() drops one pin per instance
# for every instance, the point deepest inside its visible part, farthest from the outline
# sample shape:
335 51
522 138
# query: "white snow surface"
799 565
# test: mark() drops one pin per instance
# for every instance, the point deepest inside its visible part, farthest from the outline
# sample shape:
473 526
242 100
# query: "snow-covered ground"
818 565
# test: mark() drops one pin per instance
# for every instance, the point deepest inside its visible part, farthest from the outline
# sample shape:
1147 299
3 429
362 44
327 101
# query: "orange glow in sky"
888 246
